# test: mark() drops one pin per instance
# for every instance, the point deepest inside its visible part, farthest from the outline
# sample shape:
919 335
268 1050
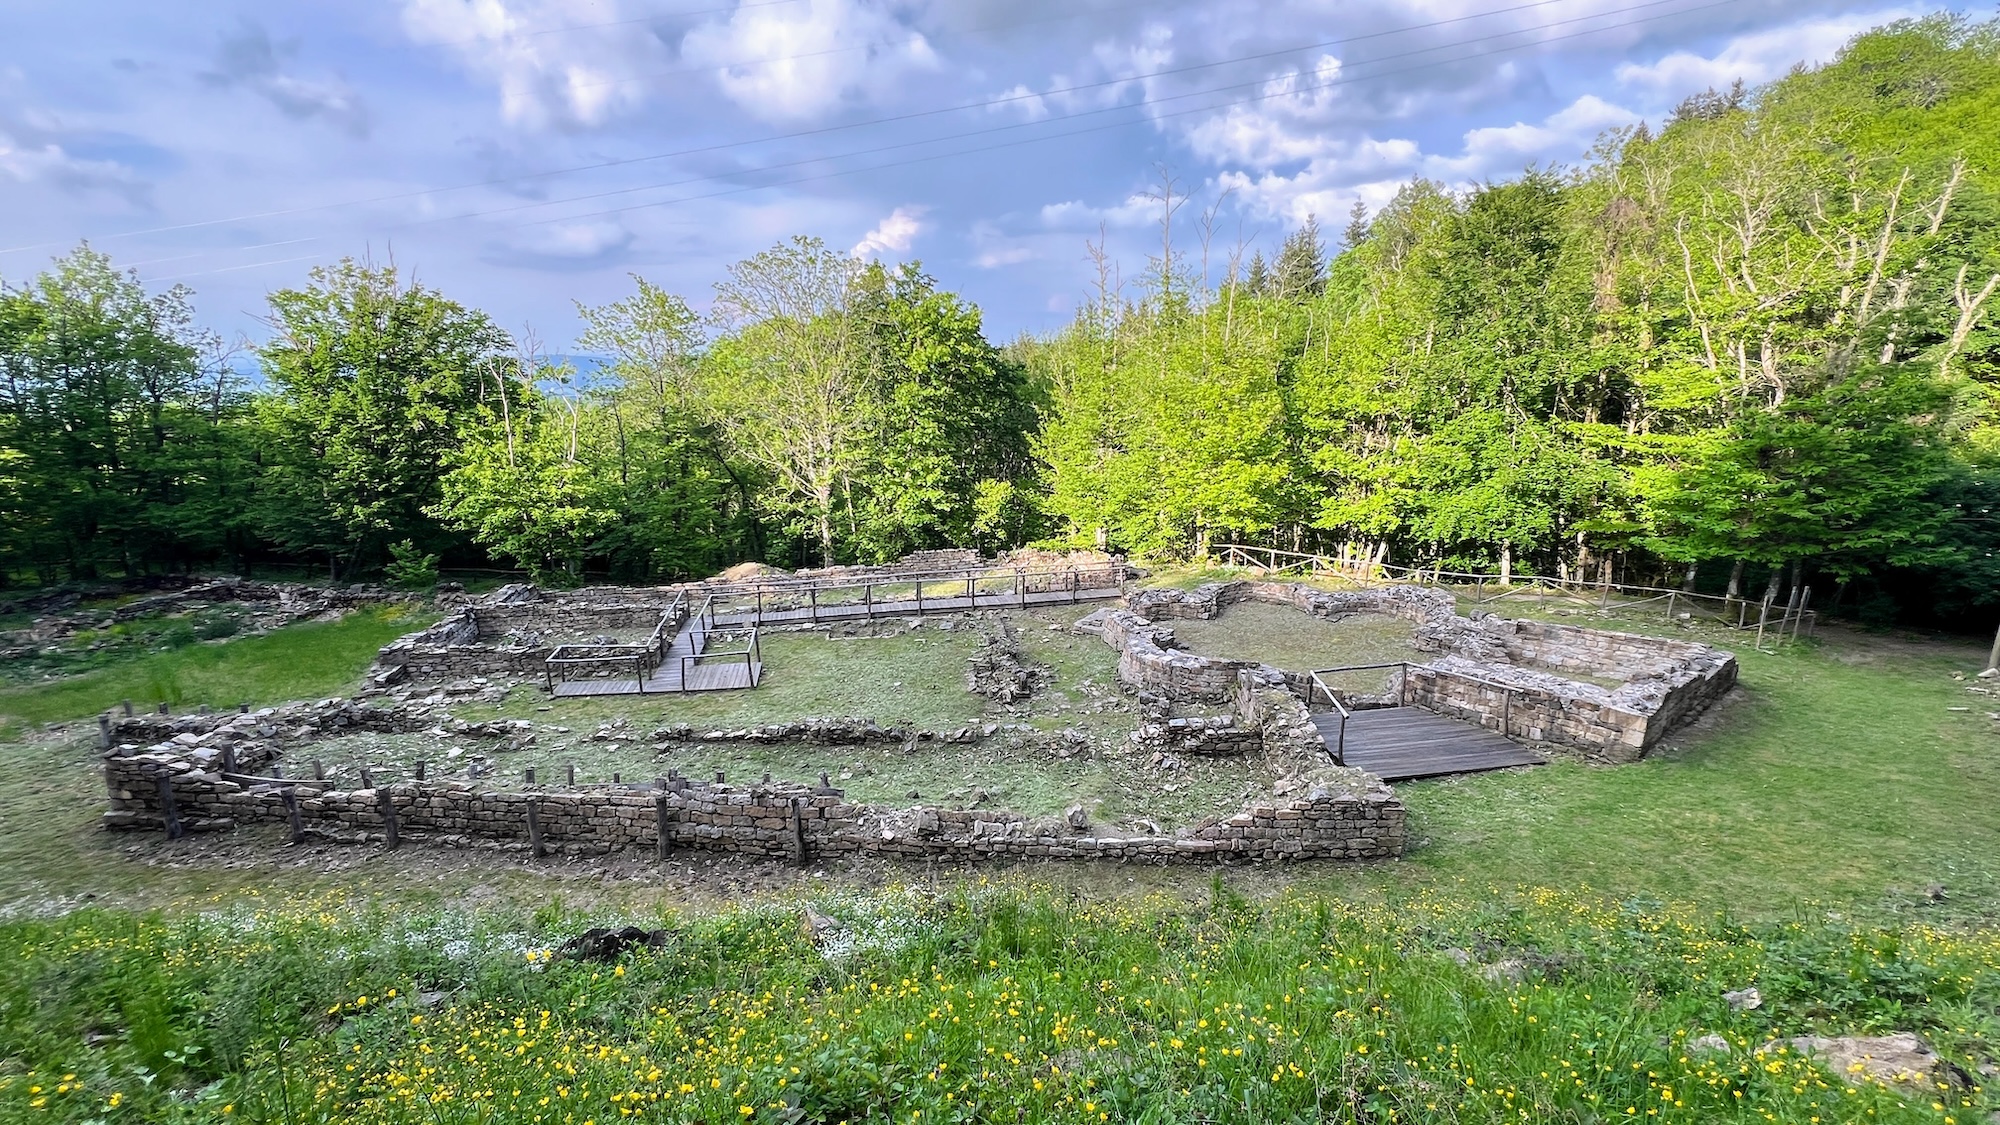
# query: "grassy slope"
51 844
298 662
1824 779
981 1004
1835 774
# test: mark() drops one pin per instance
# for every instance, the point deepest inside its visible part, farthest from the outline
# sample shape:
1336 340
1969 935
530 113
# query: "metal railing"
645 656
1406 698
752 654
564 657
1731 613
1319 686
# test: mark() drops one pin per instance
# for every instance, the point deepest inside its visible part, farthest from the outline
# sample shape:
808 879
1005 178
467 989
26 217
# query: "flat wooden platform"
723 672
910 607
1407 743
724 675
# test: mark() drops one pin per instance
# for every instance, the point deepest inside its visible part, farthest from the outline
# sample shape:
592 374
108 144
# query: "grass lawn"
1846 772
913 679
304 661
1839 772
1550 950
1295 641
49 840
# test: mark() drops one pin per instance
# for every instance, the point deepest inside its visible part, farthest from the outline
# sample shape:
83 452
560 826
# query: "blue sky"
524 155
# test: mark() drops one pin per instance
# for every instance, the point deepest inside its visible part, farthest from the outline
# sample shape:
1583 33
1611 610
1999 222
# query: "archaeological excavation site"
949 707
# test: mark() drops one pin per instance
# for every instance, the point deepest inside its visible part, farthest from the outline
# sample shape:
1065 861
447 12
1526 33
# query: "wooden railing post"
798 831
169 814
291 798
392 836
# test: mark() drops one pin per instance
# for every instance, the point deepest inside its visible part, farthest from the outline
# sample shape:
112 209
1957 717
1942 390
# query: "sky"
523 156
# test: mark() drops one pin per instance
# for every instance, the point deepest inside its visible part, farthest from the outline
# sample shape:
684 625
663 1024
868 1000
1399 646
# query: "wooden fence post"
421 764
392 837
798 826
663 833
570 775
319 770
104 731
291 799
367 778
534 828
168 812
128 708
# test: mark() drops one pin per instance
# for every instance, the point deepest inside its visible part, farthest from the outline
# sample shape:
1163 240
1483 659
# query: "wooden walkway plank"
1406 744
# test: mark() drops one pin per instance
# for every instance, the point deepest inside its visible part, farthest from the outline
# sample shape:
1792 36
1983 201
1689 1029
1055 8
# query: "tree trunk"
1777 580
1735 581
1506 564
1687 579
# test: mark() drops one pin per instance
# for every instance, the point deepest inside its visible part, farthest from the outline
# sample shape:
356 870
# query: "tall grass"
985 1004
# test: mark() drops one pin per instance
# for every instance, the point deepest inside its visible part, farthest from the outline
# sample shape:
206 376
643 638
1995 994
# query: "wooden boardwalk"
1407 743
727 672
911 607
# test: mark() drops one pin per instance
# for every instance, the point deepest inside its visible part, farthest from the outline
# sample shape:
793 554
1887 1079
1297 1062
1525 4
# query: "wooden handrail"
1427 576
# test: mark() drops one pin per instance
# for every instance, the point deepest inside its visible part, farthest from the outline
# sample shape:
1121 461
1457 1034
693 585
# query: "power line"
989 103
1151 119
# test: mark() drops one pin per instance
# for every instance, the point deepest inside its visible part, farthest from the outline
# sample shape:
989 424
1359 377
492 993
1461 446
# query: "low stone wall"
1502 674
1151 660
1351 821
511 631
1205 734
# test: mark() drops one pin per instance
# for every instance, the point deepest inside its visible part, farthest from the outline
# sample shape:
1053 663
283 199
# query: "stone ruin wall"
1488 670
474 640
1352 817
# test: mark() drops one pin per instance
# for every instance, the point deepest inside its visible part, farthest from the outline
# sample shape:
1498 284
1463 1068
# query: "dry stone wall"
1503 674
511 631
1356 818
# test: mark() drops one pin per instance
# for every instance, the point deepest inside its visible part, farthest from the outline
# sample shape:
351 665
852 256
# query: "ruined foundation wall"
778 819
1505 675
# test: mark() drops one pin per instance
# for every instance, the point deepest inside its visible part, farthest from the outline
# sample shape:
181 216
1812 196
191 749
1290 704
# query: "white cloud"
1756 57
581 77
563 246
1020 99
893 235
1290 123
798 61
1494 150
30 155
1367 169
1074 214
994 249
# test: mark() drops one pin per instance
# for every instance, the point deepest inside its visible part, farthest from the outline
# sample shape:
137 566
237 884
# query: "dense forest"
1757 345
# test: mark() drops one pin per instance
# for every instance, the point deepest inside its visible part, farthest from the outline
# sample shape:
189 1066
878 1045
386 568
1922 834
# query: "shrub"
411 568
